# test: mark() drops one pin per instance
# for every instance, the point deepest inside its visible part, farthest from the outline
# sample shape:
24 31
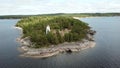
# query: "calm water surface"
106 53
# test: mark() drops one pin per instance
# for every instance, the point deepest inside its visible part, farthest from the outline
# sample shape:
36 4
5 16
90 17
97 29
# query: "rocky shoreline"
55 49
61 48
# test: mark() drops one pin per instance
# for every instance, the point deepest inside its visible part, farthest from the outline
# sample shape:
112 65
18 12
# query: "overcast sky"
15 7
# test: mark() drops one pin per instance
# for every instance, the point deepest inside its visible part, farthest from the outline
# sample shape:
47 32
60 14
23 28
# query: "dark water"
106 53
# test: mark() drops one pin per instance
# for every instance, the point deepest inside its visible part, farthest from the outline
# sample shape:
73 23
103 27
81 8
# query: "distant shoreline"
62 14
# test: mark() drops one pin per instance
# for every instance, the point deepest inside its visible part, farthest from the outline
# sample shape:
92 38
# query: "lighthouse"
47 29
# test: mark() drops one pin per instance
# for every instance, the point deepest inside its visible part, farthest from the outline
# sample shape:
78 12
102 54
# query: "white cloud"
8 7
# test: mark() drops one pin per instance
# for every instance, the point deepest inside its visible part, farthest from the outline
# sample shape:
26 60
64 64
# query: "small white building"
47 29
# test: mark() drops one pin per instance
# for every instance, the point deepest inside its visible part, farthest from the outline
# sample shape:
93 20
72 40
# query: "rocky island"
45 36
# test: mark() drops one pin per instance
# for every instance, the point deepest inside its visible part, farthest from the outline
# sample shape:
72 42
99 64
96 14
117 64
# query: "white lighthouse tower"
47 29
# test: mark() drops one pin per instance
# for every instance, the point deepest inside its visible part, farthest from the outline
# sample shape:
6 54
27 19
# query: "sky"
26 7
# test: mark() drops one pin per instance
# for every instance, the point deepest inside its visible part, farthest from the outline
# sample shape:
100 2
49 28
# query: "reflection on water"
104 55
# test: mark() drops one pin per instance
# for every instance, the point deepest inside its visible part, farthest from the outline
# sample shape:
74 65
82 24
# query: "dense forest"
60 14
62 29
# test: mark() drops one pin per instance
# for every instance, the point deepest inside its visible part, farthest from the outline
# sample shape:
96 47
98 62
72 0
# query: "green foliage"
69 37
35 28
60 38
52 39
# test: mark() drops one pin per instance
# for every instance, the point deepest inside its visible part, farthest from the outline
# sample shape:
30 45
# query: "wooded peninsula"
62 29
65 34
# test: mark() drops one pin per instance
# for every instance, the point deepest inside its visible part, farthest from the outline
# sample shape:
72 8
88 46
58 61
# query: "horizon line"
58 13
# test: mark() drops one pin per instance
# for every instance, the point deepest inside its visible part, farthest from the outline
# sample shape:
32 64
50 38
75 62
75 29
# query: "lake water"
106 53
